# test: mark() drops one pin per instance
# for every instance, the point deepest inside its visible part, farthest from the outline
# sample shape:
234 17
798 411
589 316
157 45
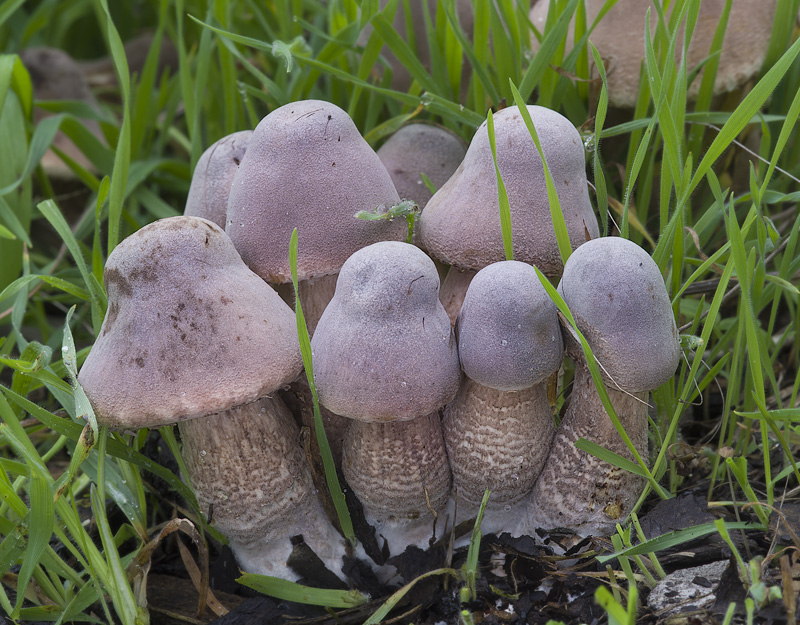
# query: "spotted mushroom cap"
421 149
743 50
213 175
461 223
384 348
308 167
508 332
189 330
616 293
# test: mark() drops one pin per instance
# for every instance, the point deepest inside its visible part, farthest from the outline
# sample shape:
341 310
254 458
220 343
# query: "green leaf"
290 591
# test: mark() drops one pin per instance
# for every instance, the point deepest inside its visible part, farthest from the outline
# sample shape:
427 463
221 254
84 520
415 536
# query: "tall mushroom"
617 297
384 355
499 427
461 223
193 336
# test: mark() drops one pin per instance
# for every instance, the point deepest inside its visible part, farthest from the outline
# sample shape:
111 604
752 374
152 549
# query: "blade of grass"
123 148
505 210
331 478
291 591
556 214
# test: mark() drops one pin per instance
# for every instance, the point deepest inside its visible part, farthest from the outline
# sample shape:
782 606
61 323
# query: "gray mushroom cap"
421 149
213 176
461 223
189 330
308 167
509 337
384 348
616 293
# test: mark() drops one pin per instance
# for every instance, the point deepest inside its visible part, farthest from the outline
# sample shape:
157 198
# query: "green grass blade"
395 598
331 478
505 209
556 214
752 102
123 148
672 539
291 591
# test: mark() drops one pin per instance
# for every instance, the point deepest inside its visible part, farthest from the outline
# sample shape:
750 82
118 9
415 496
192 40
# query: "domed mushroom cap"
509 337
213 176
461 223
743 49
384 348
620 304
189 330
308 167
421 149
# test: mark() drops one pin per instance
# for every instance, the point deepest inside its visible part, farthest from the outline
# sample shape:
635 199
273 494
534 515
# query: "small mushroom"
499 427
213 175
617 296
418 149
461 223
385 355
743 50
193 336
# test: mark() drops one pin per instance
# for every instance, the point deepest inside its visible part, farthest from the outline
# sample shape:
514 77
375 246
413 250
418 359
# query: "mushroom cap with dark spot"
509 337
384 348
213 175
461 223
618 299
189 330
421 149
308 167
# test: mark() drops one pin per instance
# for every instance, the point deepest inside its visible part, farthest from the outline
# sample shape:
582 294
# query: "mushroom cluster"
195 335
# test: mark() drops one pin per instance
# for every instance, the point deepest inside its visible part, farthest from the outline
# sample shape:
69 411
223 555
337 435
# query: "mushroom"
385 355
617 297
499 427
308 167
461 223
193 336
213 175
418 149
743 51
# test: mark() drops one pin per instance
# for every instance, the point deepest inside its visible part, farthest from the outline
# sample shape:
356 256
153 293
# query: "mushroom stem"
497 440
454 290
246 466
400 473
576 489
315 294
